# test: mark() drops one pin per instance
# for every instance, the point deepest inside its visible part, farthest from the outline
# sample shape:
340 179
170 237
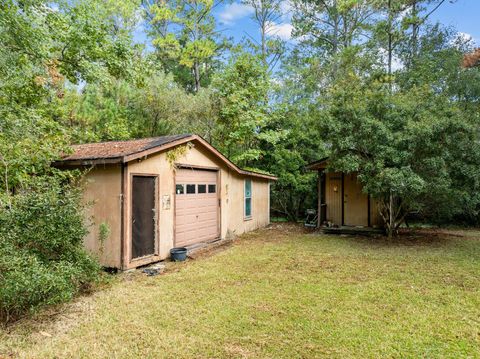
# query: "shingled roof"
125 151
118 149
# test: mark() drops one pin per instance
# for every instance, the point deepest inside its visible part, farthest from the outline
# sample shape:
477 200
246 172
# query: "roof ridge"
182 135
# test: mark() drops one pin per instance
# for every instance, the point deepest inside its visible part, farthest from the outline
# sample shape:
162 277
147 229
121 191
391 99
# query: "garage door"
196 206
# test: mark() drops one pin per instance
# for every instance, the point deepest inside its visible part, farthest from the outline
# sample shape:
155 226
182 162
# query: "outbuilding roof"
125 151
322 163
117 149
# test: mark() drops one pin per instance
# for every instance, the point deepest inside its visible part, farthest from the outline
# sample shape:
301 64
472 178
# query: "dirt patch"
468 233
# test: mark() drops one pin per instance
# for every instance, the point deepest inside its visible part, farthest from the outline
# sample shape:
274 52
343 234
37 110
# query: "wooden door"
143 216
355 202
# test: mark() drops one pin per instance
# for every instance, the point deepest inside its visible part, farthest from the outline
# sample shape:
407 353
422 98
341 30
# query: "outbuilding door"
143 216
355 202
196 206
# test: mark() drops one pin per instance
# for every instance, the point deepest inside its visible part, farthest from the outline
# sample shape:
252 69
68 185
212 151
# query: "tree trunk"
390 37
415 30
196 73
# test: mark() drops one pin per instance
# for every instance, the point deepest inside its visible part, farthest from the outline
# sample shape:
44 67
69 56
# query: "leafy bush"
42 260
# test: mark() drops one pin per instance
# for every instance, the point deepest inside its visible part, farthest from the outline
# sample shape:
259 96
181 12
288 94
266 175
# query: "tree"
185 36
266 13
45 47
412 149
331 25
240 94
398 27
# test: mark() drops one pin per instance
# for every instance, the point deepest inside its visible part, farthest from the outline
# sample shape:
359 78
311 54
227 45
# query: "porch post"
321 197
343 198
319 204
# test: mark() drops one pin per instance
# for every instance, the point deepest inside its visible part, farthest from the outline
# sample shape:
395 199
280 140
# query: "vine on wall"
178 152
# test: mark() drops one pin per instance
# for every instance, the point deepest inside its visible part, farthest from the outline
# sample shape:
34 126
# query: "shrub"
42 260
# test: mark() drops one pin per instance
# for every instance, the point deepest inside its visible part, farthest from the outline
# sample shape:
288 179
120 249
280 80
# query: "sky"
234 20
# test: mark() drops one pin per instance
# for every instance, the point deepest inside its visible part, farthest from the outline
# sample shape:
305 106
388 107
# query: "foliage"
240 95
42 260
104 232
413 149
120 110
185 37
267 13
47 47
180 151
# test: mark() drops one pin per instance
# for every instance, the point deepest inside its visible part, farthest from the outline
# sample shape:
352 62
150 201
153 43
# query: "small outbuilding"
341 201
147 196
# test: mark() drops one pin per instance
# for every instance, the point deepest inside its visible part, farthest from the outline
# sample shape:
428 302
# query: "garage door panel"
205 225
196 213
196 210
195 206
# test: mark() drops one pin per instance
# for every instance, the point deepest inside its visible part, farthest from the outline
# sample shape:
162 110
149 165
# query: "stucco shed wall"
104 188
103 196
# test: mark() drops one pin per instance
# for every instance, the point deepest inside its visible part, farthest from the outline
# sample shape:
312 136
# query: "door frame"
367 204
156 218
179 166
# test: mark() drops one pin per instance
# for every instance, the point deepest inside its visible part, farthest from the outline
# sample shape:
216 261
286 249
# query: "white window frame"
245 217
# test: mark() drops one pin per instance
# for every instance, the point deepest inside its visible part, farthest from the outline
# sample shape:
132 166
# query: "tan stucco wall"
102 194
103 187
231 196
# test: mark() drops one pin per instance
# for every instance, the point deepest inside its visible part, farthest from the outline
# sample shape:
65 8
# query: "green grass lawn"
279 293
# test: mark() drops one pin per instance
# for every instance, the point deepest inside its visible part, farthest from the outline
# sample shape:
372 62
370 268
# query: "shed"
149 195
341 200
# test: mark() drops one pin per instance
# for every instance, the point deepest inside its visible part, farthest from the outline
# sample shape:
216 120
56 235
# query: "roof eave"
320 164
161 148
87 162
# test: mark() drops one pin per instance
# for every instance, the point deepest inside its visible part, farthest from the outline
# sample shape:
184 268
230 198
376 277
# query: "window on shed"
190 189
179 189
202 188
248 198
212 188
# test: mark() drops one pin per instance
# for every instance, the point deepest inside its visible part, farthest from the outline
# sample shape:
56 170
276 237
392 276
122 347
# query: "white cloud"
464 37
233 12
283 31
463 41
286 9
397 63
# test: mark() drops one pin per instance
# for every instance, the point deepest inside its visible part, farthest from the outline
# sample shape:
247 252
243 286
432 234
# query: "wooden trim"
203 168
123 215
156 245
369 221
322 189
219 200
87 162
174 206
343 199
317 165
269 201
319 202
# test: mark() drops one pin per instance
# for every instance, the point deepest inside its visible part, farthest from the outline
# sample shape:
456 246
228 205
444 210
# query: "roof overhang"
318 165
161 148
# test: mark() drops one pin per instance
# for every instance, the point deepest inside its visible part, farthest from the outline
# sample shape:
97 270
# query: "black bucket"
178 254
